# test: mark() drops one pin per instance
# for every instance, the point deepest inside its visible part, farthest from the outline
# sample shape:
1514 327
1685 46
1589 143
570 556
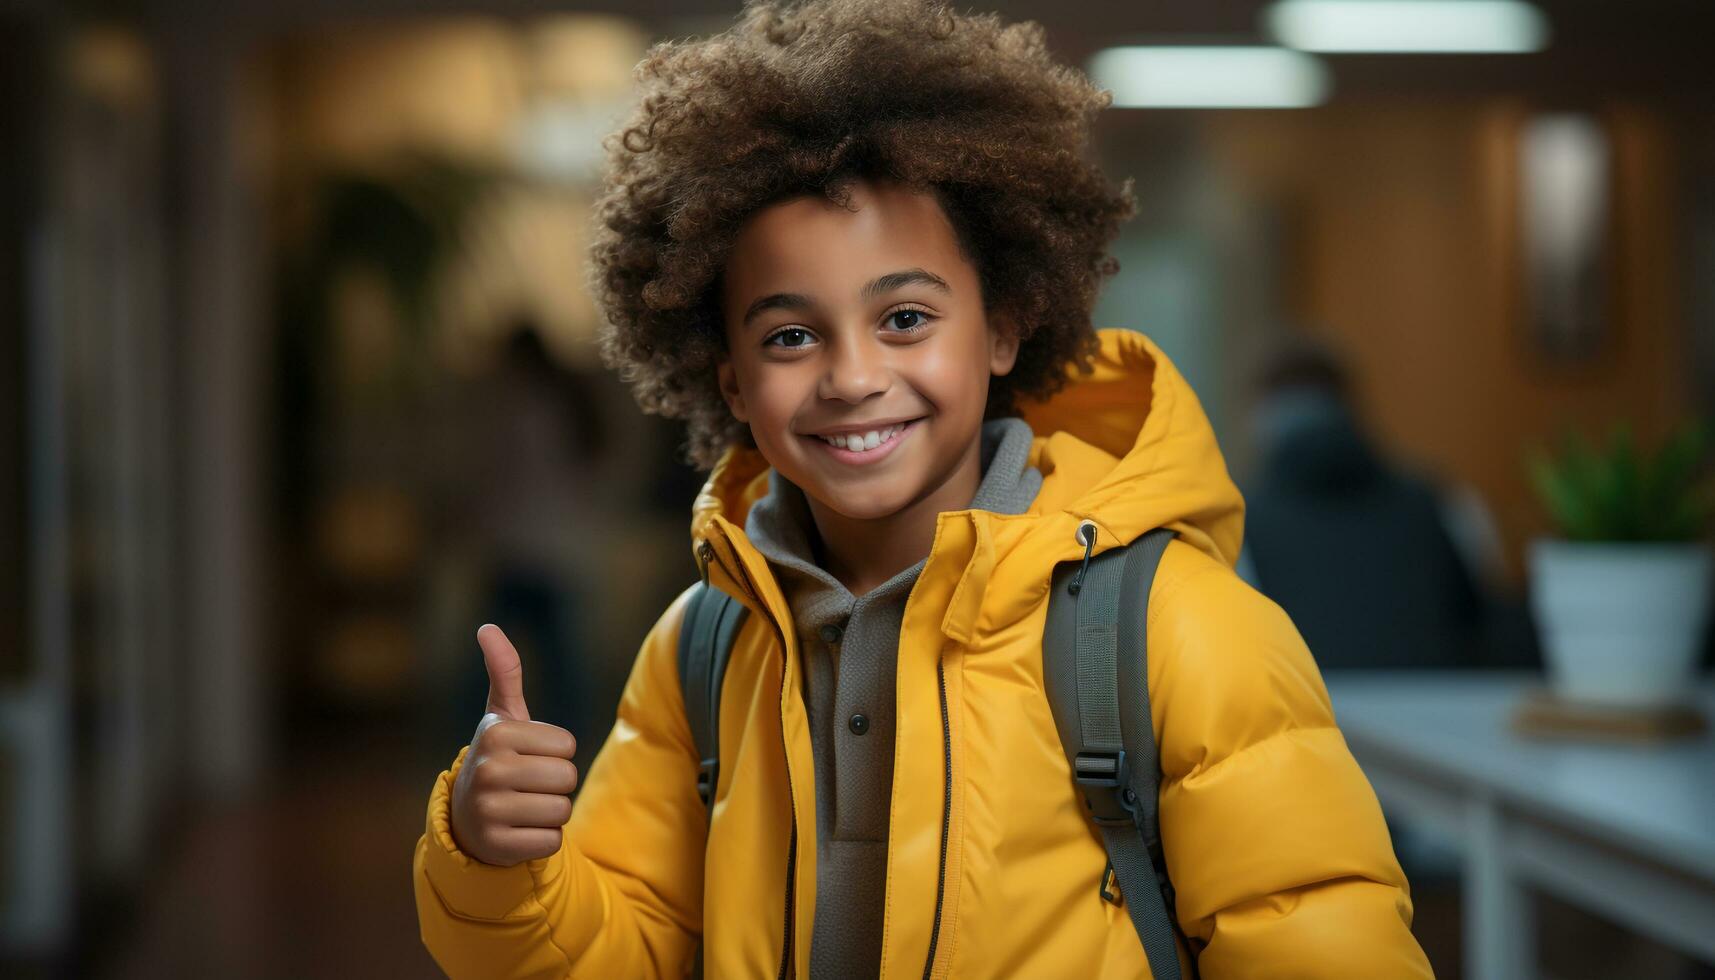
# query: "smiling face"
859 351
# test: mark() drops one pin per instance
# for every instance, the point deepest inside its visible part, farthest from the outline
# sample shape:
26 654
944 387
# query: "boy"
855 245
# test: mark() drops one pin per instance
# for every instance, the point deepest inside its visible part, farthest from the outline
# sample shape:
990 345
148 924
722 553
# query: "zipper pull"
1086 535
705 555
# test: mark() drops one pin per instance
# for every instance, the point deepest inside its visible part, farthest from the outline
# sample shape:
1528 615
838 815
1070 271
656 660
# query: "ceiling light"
1188 77
1467 26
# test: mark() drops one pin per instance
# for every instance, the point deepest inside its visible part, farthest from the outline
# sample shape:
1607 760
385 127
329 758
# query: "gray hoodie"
850 646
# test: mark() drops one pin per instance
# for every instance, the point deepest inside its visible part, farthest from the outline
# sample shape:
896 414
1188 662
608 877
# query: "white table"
1625 831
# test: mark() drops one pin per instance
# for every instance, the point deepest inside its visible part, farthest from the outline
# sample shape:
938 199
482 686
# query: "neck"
862 553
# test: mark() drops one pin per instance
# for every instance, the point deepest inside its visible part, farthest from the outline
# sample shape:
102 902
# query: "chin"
859 502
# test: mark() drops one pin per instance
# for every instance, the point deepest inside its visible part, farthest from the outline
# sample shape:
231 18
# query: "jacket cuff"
466 886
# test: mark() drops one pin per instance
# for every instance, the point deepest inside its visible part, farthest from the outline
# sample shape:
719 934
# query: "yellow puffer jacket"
1273 837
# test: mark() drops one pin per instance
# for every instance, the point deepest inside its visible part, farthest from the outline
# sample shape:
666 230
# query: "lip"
873 456
846 430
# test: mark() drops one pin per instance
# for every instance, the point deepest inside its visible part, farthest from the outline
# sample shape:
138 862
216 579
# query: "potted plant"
1623 594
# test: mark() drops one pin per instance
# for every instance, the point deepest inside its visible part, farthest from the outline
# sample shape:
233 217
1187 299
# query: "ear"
1003 344
728 380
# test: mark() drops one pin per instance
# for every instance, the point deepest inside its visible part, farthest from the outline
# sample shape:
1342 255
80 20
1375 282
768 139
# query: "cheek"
955 380
776 398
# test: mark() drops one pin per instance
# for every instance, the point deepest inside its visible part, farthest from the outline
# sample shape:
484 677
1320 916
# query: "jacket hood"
1126 445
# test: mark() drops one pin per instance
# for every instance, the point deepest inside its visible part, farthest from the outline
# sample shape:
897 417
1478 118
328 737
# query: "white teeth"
864 442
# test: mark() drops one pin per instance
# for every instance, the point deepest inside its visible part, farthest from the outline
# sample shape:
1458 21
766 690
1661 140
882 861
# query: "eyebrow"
904 277
872 289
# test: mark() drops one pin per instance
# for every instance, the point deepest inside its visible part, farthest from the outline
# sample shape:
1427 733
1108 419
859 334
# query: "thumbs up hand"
511 796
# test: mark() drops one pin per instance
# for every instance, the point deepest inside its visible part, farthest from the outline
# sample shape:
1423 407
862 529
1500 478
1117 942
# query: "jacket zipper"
791 869
792 842
946 814
709 553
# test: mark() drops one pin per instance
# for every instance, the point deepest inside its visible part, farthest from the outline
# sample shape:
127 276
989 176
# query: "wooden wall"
1402 248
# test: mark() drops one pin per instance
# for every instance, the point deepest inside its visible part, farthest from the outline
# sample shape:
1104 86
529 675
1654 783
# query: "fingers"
505 674
541 774
527 738
503 810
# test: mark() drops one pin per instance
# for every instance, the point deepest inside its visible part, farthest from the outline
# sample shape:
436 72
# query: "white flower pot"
1621 624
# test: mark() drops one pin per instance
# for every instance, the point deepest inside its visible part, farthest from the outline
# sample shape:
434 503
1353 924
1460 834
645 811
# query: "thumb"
505 674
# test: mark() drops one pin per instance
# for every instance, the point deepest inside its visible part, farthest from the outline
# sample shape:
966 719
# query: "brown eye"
790 337
908 320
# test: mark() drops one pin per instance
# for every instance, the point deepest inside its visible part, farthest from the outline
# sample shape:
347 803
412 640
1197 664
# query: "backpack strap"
1094 650
706 635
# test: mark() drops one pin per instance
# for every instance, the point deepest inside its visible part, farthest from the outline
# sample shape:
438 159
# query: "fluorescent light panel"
1467 26
1187 77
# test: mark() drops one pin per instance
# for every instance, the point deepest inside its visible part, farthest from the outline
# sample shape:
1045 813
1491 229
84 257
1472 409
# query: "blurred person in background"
1377 566
540 442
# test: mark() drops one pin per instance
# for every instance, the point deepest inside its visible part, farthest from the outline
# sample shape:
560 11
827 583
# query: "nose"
857 368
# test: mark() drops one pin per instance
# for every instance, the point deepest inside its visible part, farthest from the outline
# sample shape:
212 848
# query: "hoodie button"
831 634
859 724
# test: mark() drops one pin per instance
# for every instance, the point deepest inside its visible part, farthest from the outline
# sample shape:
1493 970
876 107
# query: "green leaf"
1670 491
1557 486
1615 491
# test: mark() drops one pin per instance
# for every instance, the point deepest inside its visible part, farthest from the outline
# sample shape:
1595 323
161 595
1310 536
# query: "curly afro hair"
806 97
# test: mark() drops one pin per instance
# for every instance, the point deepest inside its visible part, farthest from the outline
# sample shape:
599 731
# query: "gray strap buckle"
1105 779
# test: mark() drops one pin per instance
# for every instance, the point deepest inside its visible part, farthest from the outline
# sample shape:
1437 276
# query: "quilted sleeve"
1273 837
